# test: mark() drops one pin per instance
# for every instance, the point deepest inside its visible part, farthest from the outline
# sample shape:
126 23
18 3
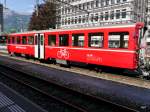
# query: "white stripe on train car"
111 50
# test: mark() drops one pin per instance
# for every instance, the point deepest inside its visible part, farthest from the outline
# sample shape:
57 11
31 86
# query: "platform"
11 101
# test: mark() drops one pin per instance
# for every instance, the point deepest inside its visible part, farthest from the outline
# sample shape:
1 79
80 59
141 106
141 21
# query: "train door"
42 46
39 46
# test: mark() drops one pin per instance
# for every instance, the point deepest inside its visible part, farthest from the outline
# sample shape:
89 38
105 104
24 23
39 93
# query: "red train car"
21 43
114 46
3 39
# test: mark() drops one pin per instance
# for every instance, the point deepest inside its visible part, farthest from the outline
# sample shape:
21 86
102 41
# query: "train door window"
24 40
18 40
13 40
64 40
42 39
118 39
30 40
52 40
96 40
78 40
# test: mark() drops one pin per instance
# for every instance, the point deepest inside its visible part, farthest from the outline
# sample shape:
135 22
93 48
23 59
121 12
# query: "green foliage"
45 19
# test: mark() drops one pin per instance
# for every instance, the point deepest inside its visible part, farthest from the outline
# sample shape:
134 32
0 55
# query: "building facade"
90 13
1 18
148 14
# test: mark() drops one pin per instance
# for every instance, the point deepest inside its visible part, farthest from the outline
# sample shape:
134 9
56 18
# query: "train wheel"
65 63
98 69
27 56
42 60
143 73
10 53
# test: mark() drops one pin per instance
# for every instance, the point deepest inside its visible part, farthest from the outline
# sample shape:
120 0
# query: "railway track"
124 78
75 100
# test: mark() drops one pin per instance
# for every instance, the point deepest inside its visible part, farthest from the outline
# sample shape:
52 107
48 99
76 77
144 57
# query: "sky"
21 6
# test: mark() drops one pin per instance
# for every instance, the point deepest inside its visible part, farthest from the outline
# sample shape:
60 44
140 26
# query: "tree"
45 19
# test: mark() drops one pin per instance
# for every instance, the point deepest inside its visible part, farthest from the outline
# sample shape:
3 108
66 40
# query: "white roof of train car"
60 30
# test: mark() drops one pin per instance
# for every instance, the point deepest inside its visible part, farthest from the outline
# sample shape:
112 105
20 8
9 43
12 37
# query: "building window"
83 19
87 18
112 15
101 17
83 6
30 40
62 11
96 17
102 3
124 13
72 20
92 4
118 39
24 40
64 40
92 17
69 10
75 20
68 20
88 5
117 14
96 3
65 10
107 2
106 15
118 1
65 21
80 20
112 1
96 40
78 40
52 40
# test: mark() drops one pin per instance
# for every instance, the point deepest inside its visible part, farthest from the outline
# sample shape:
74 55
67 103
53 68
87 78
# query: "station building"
89 13
148 14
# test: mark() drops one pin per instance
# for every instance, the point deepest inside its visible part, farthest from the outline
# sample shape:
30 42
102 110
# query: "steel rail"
45 93
88 95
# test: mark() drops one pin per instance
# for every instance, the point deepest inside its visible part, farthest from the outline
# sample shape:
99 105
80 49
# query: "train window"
36 40
64 40
24 40
30 40
13 40
118 39
78 40
96 39
18 40
52 40
9 41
